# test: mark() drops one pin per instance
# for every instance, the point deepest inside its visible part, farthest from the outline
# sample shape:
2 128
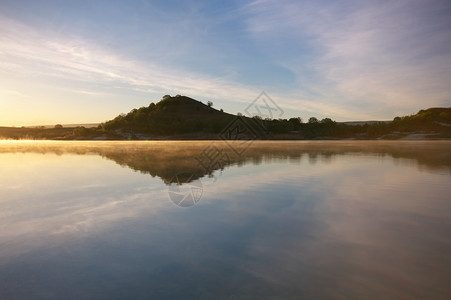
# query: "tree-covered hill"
430 118
171 115
182 117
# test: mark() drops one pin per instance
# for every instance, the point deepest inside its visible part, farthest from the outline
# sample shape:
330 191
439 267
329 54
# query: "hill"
171 115
182 117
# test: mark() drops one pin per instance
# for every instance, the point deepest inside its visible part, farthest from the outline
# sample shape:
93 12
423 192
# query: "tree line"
180 114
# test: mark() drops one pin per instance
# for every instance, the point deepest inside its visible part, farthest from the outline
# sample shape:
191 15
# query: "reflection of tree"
167 159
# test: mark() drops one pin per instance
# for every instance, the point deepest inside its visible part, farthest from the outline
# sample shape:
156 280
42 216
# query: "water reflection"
284 220
196 160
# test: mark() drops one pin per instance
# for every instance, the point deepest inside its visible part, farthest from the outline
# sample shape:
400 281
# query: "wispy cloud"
389 56
349 60
46 56
82 66
25 49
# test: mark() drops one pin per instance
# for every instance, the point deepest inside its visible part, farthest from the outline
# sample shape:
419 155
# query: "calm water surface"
116 220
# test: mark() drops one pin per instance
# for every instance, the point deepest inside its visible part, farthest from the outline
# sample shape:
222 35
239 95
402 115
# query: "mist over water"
114 220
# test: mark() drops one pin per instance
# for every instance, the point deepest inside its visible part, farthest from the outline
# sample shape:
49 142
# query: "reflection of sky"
361 219
351 225
46 196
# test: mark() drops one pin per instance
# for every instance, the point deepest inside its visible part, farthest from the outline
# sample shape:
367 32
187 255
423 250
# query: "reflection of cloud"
275 171
54 222
350 231
71 199
356 225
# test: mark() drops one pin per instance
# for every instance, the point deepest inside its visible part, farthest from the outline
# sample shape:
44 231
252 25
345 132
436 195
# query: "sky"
83 61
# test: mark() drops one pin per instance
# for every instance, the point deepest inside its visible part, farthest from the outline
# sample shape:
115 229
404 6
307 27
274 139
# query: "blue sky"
88 61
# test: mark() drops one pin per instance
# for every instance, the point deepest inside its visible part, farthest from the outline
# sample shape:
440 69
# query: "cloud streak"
384 56
27 51
49 57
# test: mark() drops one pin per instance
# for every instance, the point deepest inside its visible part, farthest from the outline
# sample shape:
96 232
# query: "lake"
225 220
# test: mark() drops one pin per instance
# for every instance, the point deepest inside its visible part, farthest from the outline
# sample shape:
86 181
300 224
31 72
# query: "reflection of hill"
167 159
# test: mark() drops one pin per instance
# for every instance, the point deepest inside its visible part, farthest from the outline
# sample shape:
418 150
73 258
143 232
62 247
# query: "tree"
327 121
294 123
210 104
313 120
80 131
297 120
58 126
